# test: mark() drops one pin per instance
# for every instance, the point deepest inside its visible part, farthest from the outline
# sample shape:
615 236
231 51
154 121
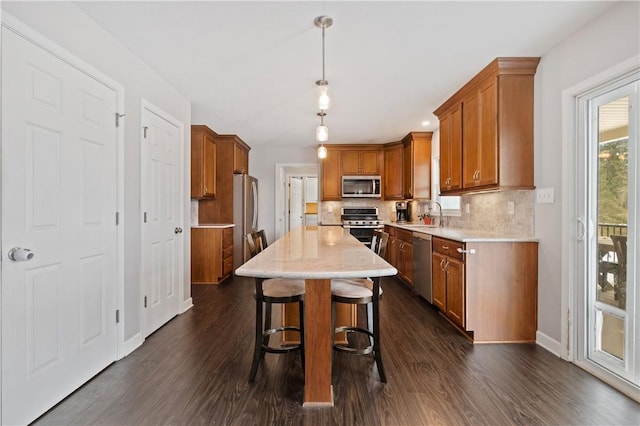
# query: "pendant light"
322 131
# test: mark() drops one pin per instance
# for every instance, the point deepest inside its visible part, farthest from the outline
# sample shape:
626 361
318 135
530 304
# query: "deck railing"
606 229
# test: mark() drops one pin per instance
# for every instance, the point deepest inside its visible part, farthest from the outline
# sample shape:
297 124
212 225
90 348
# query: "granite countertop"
460 234
316 252
214 225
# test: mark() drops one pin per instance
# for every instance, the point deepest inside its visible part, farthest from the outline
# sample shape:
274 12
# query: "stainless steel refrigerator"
245 215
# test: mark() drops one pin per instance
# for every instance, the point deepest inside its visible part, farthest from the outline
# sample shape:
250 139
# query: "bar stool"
363 291
268 292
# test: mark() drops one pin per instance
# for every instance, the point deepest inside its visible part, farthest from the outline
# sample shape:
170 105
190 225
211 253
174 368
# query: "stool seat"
357 288
280 287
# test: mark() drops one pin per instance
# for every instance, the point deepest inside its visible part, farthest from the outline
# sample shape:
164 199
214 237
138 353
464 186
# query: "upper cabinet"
393 171
416 168
491 119
203 162
451 149
240 156
331 179
361 162
345 160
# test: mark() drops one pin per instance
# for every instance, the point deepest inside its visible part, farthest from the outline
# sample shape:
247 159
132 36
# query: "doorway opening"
297 202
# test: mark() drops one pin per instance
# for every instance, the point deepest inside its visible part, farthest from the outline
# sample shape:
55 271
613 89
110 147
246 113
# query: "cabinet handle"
205 189
442 264
470 251
445 247
446 267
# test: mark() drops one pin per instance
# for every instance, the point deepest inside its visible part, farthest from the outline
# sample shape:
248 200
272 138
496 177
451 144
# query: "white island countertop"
463 235
317 252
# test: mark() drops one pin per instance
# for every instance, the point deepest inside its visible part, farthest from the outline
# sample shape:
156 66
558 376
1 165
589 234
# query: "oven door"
364 234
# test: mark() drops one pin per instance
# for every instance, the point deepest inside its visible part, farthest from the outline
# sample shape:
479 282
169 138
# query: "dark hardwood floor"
194 370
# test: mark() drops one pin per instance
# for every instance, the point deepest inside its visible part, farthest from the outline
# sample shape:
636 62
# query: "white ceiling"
249 68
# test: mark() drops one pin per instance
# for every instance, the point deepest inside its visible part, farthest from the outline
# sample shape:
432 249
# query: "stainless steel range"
361 222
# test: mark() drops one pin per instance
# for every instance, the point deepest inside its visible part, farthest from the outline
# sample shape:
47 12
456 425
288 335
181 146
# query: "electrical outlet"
511 208
467 208
330 208
545 195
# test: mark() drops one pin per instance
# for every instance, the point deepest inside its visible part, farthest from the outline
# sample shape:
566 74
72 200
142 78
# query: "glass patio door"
609 205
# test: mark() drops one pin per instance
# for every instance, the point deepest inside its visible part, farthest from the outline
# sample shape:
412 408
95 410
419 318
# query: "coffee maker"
402 214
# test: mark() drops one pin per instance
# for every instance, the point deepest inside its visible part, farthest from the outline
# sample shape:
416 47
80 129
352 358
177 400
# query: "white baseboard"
548 343
132 344
186 305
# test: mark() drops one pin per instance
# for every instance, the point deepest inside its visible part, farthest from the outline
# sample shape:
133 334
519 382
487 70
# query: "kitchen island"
317 254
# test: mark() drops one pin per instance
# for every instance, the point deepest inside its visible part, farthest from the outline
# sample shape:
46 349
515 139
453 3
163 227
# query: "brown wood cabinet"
448 279
331 179
393 164
417 165
451 149
348 159
240 157
211 255
203 162
361 162
400 252
231 156
487 289
497 128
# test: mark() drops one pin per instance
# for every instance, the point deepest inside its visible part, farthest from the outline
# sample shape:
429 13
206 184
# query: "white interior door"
296 201
161 193
59 199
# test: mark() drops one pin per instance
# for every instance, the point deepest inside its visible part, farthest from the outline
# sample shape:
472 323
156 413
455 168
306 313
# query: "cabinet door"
408 263
369 164
455 291
331 178
393 174
480 126
451 150
209 167
488 134
407 169
439 280
350 162
240 159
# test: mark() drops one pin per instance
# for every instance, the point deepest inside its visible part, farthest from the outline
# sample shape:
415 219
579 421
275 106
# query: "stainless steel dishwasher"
422 265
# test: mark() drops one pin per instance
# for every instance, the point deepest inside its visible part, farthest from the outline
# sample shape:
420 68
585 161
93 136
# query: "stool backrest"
257 242
379 242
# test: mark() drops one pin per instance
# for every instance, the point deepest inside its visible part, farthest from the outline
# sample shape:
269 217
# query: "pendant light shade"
323 95
322 151
322 133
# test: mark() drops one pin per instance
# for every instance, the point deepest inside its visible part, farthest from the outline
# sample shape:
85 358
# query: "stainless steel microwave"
361 186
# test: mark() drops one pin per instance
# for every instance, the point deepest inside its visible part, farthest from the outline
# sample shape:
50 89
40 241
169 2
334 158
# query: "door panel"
59 174
608 189
161 203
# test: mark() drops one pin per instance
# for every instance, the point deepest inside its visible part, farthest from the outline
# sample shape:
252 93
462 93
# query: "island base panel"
318 343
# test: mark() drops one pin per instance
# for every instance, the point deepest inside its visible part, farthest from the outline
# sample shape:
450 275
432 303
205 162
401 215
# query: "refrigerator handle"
254 194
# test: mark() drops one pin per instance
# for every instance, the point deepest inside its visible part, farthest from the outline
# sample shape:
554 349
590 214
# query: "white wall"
605 42
66 25
262 165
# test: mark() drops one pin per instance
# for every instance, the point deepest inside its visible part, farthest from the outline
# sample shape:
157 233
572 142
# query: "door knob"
18 254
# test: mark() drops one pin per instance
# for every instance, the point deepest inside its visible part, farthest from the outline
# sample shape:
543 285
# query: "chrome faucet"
440 211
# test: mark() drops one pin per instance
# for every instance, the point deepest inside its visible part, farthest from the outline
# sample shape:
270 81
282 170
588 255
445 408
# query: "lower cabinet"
211 254
487 289
448 279
400 252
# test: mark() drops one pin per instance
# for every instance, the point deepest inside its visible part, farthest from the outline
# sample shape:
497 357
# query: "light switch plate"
511 208
545 195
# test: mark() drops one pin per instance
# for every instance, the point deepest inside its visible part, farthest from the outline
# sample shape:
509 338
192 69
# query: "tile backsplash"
487 212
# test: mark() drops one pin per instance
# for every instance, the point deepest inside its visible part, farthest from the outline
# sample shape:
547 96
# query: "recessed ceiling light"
426 123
